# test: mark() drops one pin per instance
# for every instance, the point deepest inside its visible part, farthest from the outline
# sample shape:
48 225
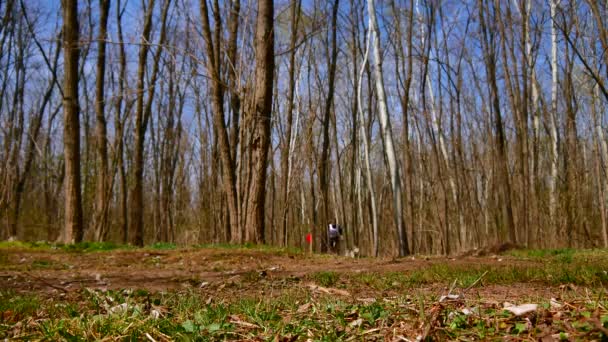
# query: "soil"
52 271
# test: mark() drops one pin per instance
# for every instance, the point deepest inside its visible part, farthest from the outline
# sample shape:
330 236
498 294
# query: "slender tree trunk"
71 134
500 138
136 222
552 117
119 124
217 101
324 167
141 120
286 151
601 168
102 192
385 125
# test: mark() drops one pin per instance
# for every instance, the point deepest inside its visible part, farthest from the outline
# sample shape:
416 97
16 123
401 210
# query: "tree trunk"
102 192
141 120
260 118
385 126
489 48
364 136
324 167
552 117
217 102
71 136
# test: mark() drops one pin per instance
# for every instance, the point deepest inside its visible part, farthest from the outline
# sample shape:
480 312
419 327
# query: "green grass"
163 246
563 255
325 278
191 315
551 273
76 247
250 246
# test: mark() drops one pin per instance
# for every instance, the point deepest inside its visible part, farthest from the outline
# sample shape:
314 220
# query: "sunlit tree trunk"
286 151
552 117
73 230
142 116
368 169
102 192
213 65
489 51
385 125
324 166
260 118
119 126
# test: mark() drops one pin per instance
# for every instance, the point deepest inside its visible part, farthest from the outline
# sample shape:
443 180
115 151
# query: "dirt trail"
159 270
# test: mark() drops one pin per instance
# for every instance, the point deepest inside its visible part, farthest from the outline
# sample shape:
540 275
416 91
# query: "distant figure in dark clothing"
334 232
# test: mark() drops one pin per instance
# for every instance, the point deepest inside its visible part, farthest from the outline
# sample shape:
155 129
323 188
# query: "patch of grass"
41 264
325 278
25 245
14 307
551 273
163 246
3 259
563 255
76 247
92 246
294 315
293 251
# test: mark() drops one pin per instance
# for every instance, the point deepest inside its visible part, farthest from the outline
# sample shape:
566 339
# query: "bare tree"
73 230
260 116
213 65
102 191
142 116
324 166
385 125
489 51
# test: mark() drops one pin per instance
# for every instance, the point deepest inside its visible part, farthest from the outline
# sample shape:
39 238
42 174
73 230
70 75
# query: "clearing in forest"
160 293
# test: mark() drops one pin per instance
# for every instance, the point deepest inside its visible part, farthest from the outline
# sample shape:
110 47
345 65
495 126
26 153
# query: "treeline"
426 126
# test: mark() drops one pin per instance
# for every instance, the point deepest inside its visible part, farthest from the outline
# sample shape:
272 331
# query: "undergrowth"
295 314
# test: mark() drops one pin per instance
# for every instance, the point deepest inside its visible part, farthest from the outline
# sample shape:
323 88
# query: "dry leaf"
522 309
326 290
304 307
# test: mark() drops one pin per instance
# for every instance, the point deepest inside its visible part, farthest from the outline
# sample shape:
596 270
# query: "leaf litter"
269 296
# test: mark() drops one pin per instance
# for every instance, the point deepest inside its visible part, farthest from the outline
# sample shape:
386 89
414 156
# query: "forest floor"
159 293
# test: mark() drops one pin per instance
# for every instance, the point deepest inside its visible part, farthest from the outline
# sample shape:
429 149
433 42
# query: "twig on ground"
46 282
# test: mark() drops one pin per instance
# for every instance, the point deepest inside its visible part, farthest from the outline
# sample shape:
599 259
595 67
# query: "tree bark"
385 126
260 118
141 120
217 102
73 230
488 45
102 192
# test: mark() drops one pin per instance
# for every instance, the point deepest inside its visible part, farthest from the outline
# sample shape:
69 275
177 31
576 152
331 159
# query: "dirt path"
55 270
297 295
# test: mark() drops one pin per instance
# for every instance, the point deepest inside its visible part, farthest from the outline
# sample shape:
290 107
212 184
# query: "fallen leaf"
317 288
555 304
304 307
356 323
521 309
236 320
450 297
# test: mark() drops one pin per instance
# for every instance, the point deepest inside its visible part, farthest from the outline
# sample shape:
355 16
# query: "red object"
309 238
